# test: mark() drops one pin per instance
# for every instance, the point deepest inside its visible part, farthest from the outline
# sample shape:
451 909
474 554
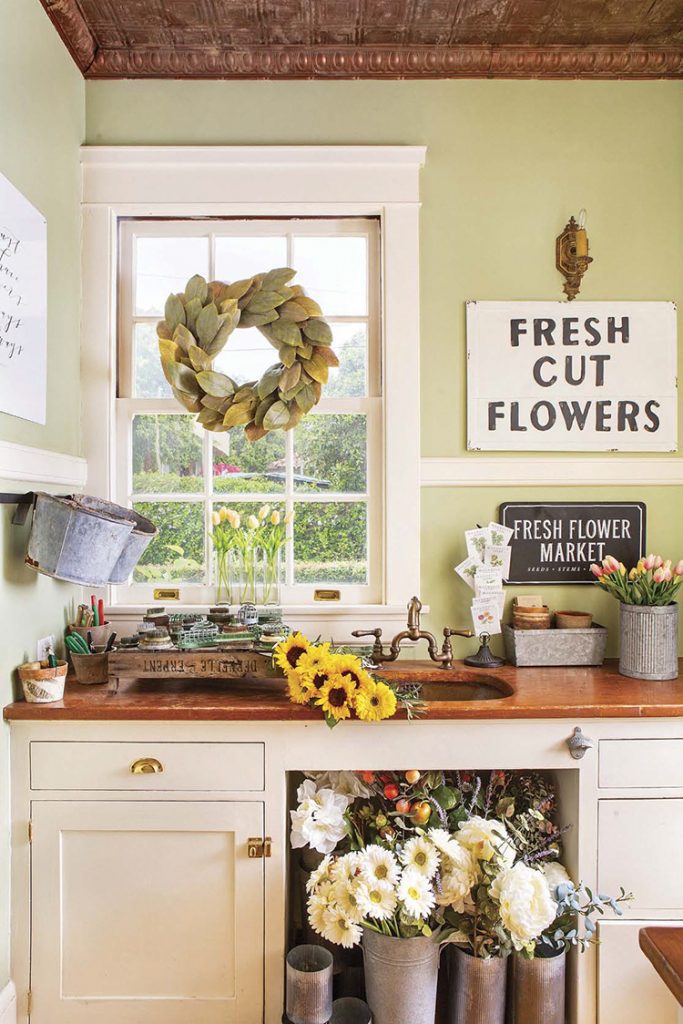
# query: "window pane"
330 542
331 453
237 258
164 265
334 272
148 377
177 553
167 455
246 356
242 467
350 378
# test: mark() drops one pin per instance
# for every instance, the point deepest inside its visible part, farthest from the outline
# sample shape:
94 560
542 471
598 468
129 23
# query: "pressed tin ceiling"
380 39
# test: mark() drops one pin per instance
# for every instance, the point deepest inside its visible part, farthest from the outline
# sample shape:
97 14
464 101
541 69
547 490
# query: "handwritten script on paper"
23 306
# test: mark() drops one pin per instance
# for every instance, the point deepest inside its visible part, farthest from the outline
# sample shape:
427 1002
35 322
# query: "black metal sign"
557 541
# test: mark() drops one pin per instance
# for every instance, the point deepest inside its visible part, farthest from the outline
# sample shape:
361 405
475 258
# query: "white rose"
486 838
526 906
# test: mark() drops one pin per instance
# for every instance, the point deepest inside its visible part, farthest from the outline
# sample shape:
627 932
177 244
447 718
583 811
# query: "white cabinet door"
146 913
629 989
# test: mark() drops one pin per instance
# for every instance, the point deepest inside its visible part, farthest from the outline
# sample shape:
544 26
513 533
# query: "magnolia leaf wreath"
198 323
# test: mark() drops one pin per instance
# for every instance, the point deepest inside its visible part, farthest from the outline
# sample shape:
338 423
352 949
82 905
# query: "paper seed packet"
498 556
467 570
499 534
486 615
477 541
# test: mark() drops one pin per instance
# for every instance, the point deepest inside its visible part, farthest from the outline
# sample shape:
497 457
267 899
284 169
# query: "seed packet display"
486 615
499 535
488 579
467 570
476 541
498 557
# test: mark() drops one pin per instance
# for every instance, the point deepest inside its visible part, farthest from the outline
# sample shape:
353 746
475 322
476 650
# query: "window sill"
333 621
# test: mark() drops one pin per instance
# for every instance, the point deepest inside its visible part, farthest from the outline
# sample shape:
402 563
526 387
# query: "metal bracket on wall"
24 503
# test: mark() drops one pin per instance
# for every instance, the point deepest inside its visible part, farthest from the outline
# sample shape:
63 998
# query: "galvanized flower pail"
476 988
537 990
400 978
648 642
309 985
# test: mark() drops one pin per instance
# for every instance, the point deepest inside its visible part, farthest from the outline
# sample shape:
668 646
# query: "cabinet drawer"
179 766
640 846
630 764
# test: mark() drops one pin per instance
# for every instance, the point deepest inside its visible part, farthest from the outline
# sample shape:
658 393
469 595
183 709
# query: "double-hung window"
328 471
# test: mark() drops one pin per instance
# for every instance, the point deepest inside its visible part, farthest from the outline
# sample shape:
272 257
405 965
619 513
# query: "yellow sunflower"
349 665
299 693
336 697
313 678
374 702
316 655
286 655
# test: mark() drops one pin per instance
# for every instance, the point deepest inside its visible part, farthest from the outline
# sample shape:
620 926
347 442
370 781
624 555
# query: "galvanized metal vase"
309 985
648 642
400 978
476 988
536 993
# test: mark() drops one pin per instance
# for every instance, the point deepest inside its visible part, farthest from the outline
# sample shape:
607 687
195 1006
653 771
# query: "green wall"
507 163
41 127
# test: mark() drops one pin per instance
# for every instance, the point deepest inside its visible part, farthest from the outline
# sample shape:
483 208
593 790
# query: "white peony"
319 820
526 906
348 784
555 874
487 838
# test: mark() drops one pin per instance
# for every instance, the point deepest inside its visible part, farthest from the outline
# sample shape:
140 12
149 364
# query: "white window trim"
169 181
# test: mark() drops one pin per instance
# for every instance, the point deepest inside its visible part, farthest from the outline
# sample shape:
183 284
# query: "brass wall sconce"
571 254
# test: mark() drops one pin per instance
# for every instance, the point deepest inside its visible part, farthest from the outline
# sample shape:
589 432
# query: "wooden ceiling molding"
374 39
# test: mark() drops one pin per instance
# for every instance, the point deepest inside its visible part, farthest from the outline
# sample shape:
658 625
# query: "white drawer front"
640 846
184 766
632 764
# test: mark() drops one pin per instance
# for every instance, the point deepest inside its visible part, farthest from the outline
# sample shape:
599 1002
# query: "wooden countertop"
664 949
533 693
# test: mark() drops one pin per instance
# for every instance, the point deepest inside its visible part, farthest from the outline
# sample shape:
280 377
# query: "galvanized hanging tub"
400 978
144 531
83 539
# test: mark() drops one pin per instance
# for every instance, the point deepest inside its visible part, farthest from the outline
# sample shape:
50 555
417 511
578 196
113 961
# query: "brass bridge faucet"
414 633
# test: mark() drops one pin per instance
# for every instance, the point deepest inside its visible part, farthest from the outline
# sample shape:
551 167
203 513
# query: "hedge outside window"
327 470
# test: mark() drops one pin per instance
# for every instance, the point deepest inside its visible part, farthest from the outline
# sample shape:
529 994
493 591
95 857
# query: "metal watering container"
86 540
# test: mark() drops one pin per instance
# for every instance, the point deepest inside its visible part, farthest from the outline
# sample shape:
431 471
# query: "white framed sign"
23 306
579 376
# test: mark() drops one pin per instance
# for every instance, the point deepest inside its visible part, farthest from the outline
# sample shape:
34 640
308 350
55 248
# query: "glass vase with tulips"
651 583
248 548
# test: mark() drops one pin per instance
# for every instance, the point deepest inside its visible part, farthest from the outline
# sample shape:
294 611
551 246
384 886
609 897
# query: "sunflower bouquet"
337 683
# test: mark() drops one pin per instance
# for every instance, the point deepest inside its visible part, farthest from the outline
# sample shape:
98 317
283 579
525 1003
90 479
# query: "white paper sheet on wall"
23 306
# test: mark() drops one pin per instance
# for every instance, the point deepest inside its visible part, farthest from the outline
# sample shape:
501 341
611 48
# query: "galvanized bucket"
141 535
648 642
350 1011
309 985
476 988
537 990
400 978
72 542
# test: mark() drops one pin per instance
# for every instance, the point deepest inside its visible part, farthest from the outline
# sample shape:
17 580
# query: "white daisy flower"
378 900
345 869
321 874
416 893
379 865
419 853
444 842
317 907
339 929
346 897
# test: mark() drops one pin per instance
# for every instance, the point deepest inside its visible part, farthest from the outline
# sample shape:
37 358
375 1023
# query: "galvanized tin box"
554 647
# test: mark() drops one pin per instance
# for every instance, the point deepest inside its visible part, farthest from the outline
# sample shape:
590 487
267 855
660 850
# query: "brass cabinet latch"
258 848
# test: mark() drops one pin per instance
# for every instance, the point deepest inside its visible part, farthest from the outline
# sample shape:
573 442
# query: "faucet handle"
377 647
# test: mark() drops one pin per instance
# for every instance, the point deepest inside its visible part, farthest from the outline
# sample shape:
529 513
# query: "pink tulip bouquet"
651 582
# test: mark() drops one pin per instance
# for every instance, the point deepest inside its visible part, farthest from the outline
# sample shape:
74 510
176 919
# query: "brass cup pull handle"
146 766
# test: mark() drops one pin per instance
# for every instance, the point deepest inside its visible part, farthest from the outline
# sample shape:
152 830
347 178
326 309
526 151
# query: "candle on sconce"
581 239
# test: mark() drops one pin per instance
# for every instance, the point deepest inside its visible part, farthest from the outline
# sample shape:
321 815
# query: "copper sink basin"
467 688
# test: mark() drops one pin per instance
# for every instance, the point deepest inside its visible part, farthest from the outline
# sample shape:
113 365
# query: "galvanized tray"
528 648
